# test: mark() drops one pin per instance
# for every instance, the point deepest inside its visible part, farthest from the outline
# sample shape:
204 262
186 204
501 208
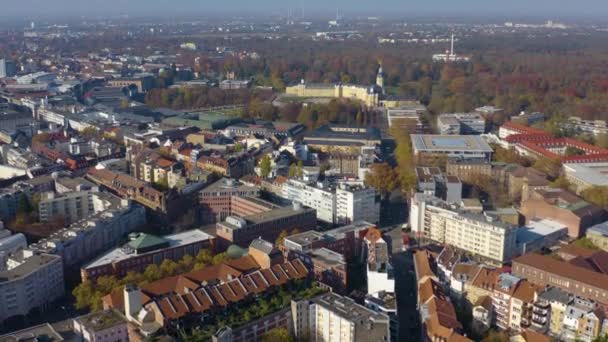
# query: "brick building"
547 271
563 207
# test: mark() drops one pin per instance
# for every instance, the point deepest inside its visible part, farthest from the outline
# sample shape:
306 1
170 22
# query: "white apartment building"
72 206
482 235
88 237
344 203
356 202
29 281
317 196
333 318
461 123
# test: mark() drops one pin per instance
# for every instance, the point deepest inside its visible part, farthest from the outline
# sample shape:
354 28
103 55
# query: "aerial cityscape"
298 171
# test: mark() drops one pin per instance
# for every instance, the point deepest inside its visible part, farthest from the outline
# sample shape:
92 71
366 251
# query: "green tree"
220 258
383 178
602 338
602 140
277 335
152 273
88 132
168 268
265 166
597 195
282 235
585 243
561 182
550 166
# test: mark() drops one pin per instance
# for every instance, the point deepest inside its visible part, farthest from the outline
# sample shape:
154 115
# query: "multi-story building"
216 198
461 123
267 224
563 207
468 171
428 147
575 322
207 291
88 237
598 234
9 202
330 269
356 202
28 281
558 301
343 240
316 196
481 234
144 250
380 274
437 313
102 326
385 303
71 206
578 280
433 182
594 127
586 175
143 83
254 330
8 68
132 188
332 138
343 203
331 317
407 119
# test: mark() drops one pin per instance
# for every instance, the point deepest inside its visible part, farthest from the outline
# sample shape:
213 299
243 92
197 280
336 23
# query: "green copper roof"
147 242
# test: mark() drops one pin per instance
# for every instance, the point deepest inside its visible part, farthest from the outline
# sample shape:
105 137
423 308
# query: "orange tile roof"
525 291
198 291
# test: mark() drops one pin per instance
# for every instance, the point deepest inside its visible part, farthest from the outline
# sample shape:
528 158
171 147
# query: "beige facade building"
479 234
598 234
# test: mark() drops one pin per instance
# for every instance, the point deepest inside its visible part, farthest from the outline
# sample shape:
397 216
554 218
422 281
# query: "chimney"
132 296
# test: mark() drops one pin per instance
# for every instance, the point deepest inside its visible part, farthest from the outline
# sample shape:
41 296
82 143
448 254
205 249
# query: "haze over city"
409 8
295 171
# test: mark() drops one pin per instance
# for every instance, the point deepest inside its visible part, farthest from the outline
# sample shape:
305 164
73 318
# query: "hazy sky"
406 7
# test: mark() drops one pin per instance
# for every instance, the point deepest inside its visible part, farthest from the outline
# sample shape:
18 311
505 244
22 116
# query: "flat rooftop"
450 143
351 311
266 216
102 320
591 173
599 229
43 332
329 257
124 252
306 238
539 229
27 265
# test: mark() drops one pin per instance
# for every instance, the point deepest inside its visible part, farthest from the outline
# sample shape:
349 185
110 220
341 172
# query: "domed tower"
380 77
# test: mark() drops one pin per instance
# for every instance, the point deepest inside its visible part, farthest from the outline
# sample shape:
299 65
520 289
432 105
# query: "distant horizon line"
420 15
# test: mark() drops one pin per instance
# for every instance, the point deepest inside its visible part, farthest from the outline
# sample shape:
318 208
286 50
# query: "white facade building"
88 237
317 196
333 318
356 202
483 235
72 206
29 281
344 203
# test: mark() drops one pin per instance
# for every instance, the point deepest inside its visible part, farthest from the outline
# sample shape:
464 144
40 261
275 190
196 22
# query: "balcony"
540 312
